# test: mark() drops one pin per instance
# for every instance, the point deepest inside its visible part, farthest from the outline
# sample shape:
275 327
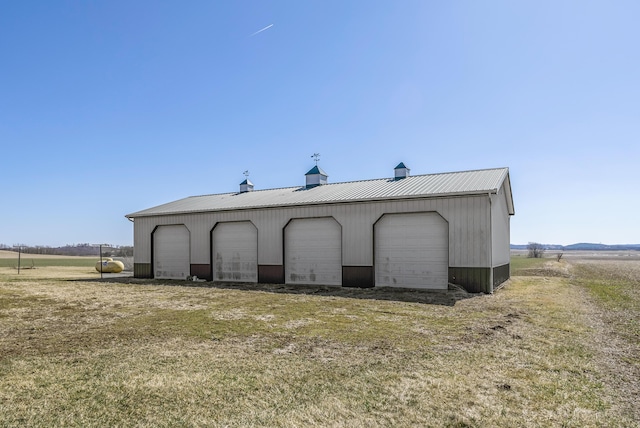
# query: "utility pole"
19 251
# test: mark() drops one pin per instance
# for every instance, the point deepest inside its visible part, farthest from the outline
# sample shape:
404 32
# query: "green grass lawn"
520 263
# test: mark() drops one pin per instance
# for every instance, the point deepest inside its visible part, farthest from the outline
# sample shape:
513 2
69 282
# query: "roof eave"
506 182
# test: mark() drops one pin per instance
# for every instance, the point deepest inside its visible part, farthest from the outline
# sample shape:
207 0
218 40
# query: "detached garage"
422 231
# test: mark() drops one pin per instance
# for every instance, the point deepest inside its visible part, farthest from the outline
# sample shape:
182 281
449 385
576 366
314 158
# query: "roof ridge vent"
401 171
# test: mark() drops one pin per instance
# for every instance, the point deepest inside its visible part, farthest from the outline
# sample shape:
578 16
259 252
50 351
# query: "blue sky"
110 107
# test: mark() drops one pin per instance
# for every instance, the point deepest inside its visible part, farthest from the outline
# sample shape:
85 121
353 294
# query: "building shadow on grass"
431 297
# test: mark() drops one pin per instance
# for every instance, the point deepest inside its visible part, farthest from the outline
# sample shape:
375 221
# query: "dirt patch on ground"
449 297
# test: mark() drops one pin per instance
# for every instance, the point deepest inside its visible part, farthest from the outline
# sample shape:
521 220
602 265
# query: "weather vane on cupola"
246 174
316 157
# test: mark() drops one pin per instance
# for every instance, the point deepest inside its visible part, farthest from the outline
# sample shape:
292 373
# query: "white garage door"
412 250
171 252
235 252
313 252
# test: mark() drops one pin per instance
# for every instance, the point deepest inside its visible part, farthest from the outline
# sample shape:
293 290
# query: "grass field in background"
518 263
27 262
543 351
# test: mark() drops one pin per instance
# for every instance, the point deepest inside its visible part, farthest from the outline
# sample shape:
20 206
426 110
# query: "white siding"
501 253
468 217
171 252
313 252
235 252
142 229
411 250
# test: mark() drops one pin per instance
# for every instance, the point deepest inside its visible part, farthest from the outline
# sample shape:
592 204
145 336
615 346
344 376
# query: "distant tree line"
74 250
581 247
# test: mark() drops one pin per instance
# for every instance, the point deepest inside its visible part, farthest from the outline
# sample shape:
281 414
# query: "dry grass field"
559 345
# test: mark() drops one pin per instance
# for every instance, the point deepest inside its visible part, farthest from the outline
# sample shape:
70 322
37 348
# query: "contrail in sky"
260 31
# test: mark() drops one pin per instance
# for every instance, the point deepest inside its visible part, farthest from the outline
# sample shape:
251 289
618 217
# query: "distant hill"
583 246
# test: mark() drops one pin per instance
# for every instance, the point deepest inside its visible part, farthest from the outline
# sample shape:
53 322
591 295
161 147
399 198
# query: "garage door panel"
171 251
235 252
313 252
412 250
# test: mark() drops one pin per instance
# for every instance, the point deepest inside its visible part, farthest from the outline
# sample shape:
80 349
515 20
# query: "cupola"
246 186
401 171
316 177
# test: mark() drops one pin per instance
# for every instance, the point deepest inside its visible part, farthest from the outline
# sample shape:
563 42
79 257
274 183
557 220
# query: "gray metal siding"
500 229
357 276
142 239
501 274
142 270
473 279
468 217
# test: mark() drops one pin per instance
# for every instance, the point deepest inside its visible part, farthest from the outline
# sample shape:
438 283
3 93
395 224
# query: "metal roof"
417 186
316 170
